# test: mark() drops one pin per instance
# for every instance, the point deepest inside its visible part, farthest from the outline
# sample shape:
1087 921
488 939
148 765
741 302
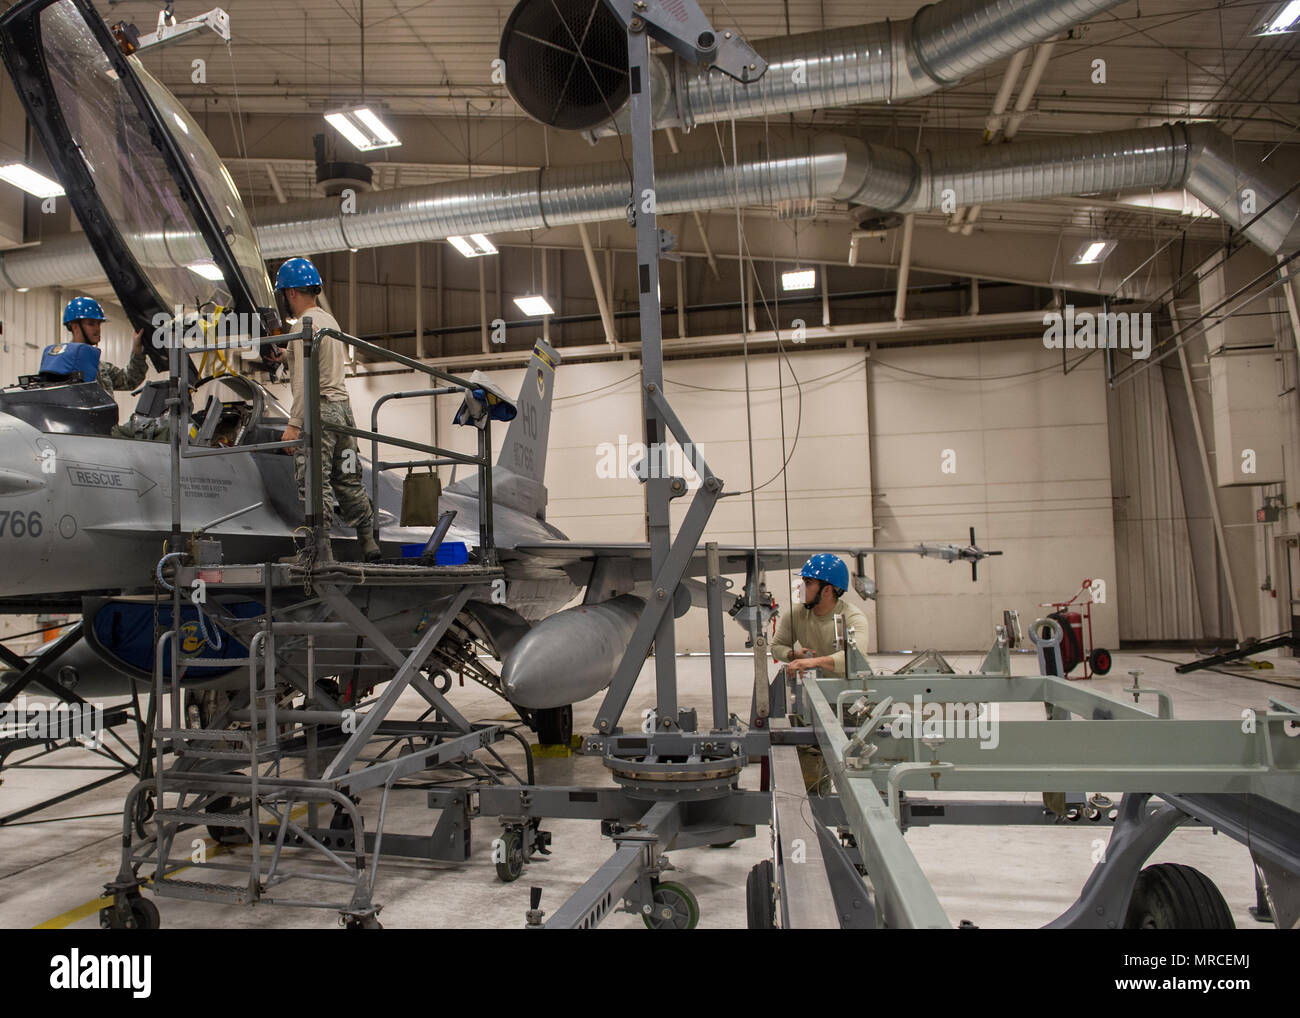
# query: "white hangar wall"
1029 469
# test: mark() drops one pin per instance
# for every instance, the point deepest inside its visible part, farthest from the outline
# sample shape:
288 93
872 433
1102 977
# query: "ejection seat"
63 398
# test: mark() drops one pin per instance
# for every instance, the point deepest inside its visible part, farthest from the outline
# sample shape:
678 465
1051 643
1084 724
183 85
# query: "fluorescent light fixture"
1093 251
23 289
362 128
799 279
1285 21
30 181
206 269
534 306
378 129
475 246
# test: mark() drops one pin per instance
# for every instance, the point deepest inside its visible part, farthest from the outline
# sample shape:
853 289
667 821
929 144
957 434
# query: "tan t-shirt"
331 353
817 633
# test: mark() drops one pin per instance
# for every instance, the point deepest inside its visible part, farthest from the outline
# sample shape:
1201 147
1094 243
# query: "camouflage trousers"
344 492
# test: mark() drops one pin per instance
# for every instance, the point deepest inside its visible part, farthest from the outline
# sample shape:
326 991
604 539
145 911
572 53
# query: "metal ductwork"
1192 156
558 82
1197 157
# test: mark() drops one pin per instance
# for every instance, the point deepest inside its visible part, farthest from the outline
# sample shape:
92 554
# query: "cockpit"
225 410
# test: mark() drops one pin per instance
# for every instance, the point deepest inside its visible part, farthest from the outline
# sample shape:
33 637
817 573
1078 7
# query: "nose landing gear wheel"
673 908
554 725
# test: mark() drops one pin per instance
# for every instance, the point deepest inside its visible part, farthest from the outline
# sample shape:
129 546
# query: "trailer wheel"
760 909
1170 896
1100 661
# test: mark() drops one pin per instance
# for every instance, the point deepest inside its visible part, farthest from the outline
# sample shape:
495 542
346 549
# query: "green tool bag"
420 494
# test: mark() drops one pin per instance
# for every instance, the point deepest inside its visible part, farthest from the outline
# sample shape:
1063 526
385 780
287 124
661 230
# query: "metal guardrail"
313 431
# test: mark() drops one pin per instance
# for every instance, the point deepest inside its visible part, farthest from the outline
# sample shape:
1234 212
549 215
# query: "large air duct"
885 62
1193 156
1196 157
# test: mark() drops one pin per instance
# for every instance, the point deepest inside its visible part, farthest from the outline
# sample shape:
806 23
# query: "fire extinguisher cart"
1075 619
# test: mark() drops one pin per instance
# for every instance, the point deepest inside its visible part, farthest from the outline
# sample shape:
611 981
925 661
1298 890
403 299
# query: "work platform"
274 690
267 758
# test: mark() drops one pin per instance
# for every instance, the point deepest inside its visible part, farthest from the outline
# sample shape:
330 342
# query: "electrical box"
1247 426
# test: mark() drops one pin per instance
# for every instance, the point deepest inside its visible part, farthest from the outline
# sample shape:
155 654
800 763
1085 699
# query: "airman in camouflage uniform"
84 319
340 466
111 377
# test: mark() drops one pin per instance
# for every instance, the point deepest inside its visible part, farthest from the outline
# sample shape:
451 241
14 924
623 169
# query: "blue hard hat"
295 274
827 568
82 307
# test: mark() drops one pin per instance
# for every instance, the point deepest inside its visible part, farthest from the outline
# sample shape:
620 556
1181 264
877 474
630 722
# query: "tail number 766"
20 524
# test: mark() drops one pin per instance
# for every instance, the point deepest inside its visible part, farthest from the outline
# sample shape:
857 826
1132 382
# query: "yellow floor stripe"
89 908
74 915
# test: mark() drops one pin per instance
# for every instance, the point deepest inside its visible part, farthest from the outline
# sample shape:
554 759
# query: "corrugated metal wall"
1153 552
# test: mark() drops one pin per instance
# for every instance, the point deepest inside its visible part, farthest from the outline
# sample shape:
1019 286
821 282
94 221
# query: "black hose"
528 752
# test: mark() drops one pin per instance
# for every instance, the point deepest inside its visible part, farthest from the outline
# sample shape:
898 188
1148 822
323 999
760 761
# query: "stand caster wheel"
441 681
508 854
673 908
144 915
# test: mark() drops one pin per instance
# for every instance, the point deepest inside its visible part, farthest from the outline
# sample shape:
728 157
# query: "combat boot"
368 547
324 553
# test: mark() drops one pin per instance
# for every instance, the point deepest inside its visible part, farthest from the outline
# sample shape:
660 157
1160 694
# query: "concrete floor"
51 873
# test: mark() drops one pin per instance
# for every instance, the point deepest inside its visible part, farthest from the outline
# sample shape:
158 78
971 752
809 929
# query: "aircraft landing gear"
554 725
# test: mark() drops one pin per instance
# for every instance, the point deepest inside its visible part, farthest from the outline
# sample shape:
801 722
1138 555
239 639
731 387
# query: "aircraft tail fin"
524 451
518 478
